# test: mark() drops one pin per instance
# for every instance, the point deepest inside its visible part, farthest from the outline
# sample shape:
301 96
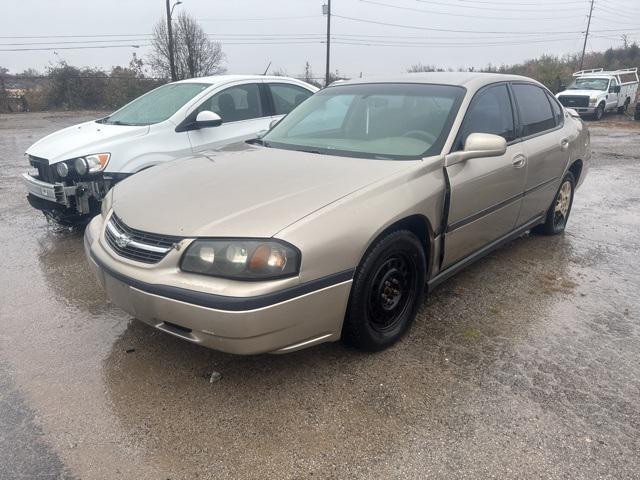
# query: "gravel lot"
526 365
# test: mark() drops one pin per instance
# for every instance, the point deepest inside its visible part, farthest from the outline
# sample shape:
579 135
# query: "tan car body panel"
331 208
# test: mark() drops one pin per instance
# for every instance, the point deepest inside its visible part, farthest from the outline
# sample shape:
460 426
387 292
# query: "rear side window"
287 97
489 112
557 111
535 111
233 104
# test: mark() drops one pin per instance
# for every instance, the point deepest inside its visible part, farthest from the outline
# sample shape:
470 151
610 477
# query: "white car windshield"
157 105
589 84
379 120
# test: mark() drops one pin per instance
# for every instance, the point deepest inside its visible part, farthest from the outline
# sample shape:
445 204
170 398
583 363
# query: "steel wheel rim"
392 291
563 203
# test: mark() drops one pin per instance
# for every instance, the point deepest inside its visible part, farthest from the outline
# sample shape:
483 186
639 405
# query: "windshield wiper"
258 141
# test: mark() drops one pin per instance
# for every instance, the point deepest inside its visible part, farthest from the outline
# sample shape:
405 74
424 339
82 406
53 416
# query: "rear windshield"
383 120
157 105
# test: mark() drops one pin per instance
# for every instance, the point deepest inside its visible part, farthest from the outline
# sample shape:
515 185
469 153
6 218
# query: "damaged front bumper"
52 192
67 204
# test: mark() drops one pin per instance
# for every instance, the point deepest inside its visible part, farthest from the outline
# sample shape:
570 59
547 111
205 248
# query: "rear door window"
490 112
233 104
535 111
286 97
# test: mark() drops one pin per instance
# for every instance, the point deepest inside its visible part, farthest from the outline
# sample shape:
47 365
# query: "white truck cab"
594 92
75 167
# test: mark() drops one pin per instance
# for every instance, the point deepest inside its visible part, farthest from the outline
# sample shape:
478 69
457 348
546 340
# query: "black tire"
622 110
386 293
556 221
599 113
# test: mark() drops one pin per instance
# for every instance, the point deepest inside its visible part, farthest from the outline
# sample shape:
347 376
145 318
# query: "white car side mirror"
207 119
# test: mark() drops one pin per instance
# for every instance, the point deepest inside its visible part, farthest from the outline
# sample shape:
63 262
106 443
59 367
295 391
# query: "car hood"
83 139
587 93
245 191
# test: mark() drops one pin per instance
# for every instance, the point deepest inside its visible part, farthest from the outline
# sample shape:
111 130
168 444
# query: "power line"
255 19
415 27
72 48
552 4
70 42
526 18
80 36
501 9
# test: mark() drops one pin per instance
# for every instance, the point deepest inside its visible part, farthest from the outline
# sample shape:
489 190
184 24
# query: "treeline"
555 71
65 87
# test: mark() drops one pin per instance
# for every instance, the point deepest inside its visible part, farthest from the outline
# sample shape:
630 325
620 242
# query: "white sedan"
75 167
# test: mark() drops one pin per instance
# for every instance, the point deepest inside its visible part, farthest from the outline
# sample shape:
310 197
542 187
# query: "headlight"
241 259
107 201
63 169
91 163
80 164
592 101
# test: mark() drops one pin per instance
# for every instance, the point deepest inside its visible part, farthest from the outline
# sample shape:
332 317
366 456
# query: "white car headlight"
593 100
91 163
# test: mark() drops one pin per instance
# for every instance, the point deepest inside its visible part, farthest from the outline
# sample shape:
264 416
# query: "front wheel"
599 113
558 213
386 292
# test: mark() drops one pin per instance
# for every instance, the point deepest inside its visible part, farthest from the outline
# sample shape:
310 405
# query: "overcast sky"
445 33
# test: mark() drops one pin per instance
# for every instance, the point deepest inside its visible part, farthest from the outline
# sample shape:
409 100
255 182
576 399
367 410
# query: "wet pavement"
525 365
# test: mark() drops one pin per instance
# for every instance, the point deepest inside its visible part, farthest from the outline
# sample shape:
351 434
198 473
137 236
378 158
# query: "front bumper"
585 110
273 323
52 192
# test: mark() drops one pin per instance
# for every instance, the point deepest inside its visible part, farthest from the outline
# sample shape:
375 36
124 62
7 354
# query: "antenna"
266 69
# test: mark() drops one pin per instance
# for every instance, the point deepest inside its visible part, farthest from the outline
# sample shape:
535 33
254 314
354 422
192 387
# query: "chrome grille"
135 244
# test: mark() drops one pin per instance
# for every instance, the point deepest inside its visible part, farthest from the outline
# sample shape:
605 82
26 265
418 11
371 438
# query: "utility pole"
327 10
172 66
586 35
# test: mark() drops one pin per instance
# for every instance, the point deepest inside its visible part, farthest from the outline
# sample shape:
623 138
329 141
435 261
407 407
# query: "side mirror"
478 145
207 119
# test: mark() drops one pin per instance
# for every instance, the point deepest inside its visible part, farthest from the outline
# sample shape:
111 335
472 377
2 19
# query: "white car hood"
586 93
83 139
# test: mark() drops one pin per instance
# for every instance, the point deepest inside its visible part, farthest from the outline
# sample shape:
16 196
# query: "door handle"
519 161
564 143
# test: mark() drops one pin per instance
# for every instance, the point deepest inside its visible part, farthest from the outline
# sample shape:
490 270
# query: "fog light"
81 166
63 169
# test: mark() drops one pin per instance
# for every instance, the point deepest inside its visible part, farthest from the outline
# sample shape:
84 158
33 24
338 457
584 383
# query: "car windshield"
157 105
379 120
589 84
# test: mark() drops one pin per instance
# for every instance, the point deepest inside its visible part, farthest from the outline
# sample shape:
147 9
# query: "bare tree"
279 72
195 54
308 76
419 68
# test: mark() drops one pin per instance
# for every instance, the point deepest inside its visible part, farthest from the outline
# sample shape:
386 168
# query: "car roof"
469 80
220 79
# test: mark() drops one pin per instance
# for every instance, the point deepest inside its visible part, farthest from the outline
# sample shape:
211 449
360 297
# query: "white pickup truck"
594 92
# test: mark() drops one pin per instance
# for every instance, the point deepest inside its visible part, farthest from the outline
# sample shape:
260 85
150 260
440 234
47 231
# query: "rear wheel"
386 292
624 107
558 213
